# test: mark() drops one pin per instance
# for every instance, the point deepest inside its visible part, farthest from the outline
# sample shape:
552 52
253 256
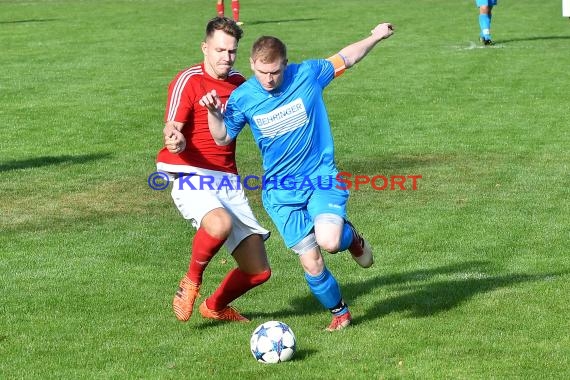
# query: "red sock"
220 9
204 247
235 9
235 284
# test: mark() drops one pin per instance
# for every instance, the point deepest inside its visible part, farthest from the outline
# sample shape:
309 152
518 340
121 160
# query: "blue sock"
346 237
485 25
325 288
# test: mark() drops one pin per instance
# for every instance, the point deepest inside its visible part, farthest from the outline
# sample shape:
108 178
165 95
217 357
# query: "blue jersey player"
283 104
485 15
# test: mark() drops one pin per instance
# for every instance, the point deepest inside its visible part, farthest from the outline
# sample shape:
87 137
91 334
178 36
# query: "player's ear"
204 47
251 64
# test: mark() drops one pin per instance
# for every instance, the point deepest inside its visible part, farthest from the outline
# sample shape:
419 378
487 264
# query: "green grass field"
472 273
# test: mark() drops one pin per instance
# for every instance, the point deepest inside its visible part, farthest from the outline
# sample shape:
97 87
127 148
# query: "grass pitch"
472 269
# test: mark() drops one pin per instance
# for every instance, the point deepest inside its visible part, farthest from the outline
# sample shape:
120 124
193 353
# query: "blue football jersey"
290 124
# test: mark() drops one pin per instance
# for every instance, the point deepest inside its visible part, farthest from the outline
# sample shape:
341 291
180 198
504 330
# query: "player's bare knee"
328 228
217 223
330 244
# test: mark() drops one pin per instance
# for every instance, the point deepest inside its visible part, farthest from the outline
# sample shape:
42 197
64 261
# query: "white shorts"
194 199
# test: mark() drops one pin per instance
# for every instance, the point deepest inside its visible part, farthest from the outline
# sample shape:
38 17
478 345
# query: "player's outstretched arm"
353 53
215 118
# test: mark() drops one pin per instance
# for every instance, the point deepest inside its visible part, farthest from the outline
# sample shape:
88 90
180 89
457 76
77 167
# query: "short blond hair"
268 49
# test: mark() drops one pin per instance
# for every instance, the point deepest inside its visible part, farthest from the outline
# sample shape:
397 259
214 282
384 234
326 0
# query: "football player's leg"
327 208
253 270
347 238
329 232
235 10
333 231
490 19
246 242
206 243
213 225
298 234
297 230
324 286
220 8
214 229
484 19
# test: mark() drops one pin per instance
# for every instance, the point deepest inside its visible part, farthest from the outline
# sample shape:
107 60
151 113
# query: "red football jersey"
184 92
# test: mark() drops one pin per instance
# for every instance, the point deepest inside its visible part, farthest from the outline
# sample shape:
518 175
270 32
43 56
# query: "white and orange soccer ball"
273 342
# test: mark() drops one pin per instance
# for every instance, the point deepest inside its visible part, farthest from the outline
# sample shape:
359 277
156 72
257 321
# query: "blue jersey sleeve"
234 119
323 70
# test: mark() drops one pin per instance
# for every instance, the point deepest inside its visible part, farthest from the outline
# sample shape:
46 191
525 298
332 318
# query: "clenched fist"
174 140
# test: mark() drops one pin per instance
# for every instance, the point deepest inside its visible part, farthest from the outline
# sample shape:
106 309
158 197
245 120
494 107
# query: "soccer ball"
273 342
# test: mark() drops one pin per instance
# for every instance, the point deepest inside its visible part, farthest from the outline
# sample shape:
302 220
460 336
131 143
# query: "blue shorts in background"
489 3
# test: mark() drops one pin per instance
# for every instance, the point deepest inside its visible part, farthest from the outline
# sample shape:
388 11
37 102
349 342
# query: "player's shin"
326 290
235 284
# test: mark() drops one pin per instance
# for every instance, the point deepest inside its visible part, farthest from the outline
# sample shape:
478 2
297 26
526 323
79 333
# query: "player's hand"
169 130
212 102
383 31
174 140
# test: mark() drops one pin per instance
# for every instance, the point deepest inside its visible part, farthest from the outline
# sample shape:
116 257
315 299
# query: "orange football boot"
184 299
228 313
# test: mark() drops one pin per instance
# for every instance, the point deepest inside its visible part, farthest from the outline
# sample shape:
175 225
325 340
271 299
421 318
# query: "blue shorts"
490 3
293 211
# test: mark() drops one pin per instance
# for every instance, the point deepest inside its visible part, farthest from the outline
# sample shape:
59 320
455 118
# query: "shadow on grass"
389 164
422 296
36 162
28 21
422 292
260 22
537 38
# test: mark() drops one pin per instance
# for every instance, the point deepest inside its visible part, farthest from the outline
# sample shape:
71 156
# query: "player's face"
219 54
269 75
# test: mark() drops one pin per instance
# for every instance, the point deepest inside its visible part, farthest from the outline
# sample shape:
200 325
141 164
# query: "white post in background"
565 8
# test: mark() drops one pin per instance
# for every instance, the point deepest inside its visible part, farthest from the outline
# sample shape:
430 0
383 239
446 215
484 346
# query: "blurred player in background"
283 104
235 10
221 217
485 15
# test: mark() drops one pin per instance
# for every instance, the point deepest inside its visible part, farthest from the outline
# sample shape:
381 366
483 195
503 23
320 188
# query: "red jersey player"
221 217
235 10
